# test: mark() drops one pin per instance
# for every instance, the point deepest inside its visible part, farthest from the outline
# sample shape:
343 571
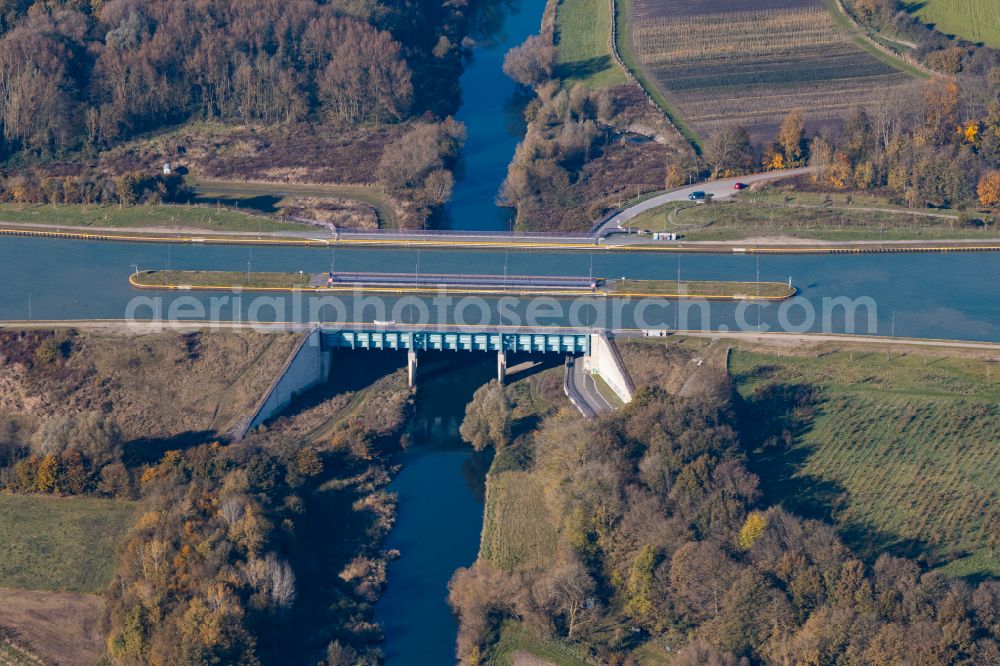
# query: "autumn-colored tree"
47 480
73 478
307 462
752 530
638 588
940 107
729 150
989 189
791 134
26 473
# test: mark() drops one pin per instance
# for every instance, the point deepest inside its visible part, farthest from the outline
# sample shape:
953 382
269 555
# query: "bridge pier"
411 367
502 366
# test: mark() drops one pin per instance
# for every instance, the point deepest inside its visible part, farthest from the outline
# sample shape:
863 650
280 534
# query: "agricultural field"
718 63
974 20
60 544
899 450
40 628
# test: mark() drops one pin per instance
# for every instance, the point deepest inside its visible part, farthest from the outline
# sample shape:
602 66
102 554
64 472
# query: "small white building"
166 169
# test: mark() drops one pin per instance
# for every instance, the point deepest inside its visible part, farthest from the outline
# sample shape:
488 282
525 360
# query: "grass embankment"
517 646
196 280
899 449
807 215
62 544
220 279
519 530
275 197
583 46
974 20
206 218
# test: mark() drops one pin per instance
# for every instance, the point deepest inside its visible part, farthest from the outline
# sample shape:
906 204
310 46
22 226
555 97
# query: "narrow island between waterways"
477 285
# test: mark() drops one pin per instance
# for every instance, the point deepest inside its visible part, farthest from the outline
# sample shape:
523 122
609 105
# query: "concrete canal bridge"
313 361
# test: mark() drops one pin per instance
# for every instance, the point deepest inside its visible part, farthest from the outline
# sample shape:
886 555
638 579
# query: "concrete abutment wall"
607 362
308 366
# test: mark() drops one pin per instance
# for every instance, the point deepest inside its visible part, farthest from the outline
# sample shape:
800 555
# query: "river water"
439 487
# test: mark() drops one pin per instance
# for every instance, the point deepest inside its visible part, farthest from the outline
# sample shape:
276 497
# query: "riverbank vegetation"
284 92
592 141
118 477
648 536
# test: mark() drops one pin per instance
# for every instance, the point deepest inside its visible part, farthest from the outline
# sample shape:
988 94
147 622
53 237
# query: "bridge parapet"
558 342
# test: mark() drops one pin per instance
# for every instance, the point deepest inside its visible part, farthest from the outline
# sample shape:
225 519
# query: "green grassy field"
516 641
974 20
665 288
62 544
223 279
832 217
583 53
901 451
135 217
517 526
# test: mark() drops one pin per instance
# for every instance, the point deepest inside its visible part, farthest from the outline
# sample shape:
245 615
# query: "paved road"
582 390
719 189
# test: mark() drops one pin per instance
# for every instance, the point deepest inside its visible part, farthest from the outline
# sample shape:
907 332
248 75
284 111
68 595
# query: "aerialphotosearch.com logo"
303 308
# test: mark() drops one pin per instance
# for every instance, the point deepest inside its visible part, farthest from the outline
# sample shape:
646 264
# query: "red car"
739 186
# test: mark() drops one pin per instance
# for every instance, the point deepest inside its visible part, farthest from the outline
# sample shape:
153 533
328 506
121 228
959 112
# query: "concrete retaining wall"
607 362
307 366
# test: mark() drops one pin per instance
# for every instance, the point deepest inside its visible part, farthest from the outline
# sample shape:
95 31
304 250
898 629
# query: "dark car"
697 196
740 186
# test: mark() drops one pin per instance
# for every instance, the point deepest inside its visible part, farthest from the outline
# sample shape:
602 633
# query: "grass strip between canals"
226 280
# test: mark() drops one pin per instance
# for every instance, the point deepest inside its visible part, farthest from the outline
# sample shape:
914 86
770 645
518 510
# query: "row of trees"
935 144
93 187
664 538
943 53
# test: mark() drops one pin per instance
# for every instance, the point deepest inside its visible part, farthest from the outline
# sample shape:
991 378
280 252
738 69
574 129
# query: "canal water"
914 295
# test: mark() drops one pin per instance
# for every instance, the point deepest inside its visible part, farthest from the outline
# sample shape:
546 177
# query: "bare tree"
531 63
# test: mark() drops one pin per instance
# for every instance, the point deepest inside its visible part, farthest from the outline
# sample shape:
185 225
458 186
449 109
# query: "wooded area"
646 533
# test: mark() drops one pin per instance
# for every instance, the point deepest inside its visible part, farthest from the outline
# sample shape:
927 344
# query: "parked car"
697 196
740 186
